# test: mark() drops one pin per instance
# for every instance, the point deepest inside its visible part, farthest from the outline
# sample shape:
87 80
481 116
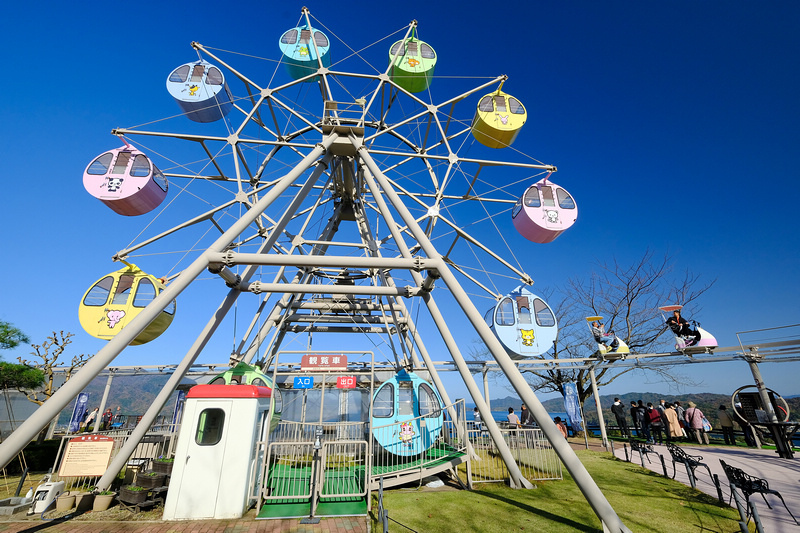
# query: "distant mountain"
707 402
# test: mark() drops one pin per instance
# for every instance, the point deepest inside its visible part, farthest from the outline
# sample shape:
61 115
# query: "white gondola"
524 323
200 90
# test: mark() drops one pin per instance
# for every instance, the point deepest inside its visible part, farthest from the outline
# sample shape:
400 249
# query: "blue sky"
673 125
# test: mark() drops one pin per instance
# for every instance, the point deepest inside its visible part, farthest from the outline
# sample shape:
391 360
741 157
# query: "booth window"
123 290
505 313
428 402
290 37
180 74
406 402
159 178
565 201
398 49
98 295
532 197
100 165
209 427
140 167
145 293
544 316
214 76
383 406
320 39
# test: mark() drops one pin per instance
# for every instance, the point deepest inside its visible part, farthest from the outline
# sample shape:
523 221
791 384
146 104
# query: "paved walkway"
326 525
783 475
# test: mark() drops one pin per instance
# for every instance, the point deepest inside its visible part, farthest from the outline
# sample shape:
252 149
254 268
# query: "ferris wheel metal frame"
341 171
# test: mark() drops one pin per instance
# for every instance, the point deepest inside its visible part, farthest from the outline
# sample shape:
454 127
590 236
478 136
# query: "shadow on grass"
538 512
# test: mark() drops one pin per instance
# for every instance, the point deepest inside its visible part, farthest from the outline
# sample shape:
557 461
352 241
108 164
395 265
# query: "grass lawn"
645 501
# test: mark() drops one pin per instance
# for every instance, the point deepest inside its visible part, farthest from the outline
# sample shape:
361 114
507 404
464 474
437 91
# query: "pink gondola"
126 181
544 211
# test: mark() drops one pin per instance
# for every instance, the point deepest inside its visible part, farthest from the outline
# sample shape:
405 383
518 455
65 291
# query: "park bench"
750 485
643 448
691 462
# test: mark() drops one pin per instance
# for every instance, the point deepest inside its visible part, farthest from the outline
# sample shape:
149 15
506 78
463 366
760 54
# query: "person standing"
694 421
656 424
681 412
673 429
91 419
726 421
513 420
525 417
561 427
635 419
619 413
644 421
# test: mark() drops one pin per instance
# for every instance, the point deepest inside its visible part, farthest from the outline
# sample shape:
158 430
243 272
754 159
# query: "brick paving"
246 525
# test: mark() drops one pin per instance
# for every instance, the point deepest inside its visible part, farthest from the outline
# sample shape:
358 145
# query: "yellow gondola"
498 119
114 300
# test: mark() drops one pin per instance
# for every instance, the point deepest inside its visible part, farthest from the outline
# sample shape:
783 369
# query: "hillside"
708 403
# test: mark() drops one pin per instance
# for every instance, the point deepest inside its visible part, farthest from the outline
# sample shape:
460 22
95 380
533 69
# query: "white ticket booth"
216 458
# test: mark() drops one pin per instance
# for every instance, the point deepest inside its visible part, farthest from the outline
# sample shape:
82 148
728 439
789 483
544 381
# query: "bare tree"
627 297
46 359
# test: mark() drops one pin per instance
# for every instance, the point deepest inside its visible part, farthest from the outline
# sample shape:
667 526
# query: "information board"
86 456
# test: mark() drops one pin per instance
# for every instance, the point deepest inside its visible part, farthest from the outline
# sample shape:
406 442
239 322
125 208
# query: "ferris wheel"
333 191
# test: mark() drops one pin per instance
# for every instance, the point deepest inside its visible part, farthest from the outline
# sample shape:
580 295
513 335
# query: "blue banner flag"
78 412
177 412
572 407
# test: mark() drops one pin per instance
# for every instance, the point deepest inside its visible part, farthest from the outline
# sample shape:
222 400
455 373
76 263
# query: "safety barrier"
533 453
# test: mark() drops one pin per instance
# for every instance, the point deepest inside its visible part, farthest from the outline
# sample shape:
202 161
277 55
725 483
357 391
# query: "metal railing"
533 453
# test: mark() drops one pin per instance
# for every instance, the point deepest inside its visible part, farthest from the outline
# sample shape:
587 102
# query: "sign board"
322 363
346 382
86 456
303 382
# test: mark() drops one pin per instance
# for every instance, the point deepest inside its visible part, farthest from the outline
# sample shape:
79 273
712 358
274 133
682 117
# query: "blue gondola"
524 323
301 53
407 415
200 90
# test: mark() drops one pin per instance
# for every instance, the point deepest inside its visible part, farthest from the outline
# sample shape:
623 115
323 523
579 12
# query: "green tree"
20 377
11 337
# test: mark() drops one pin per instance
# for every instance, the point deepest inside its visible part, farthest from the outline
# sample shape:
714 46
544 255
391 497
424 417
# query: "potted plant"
163 465
133 494
150 480
84 497
103 500
65 502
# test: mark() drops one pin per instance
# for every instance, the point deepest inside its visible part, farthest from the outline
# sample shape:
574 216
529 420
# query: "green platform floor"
294 483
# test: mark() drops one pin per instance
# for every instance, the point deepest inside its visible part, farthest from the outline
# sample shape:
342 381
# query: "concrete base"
10 506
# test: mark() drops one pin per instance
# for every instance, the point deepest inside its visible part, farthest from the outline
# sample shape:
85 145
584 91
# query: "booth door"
202 472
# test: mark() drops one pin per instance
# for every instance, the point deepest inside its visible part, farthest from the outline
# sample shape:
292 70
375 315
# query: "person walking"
726 422
694 421
619 413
